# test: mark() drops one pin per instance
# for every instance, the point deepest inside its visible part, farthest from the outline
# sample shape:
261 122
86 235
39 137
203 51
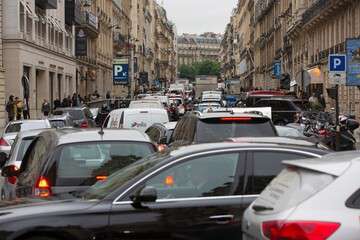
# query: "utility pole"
337 110
132 73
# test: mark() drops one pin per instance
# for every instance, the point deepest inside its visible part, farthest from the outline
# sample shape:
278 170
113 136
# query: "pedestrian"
26 110
57 103
74 100
314 102
45 108
322 102
19 108
65 102
97 94
10 108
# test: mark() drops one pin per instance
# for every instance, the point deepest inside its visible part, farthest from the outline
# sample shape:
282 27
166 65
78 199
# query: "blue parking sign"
337 63
120 72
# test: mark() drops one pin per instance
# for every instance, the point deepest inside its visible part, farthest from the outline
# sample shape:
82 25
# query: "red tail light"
12 180
101 178
43 188
84 124
299 230
3 142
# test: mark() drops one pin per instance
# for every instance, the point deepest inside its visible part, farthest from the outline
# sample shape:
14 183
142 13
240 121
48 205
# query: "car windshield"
82 164
57 123
220 129
17 127
102 189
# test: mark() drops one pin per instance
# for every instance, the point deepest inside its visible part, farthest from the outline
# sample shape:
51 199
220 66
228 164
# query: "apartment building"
38 47
196 48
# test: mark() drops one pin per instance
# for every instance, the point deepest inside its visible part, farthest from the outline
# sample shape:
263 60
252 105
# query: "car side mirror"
146 195
10 171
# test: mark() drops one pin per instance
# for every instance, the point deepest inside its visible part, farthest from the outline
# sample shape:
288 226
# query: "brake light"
101 178
231 119
4 143
12 180
299 230
84 124
43 188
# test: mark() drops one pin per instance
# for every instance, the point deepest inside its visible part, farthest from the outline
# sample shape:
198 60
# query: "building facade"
3 114
38 51
197 48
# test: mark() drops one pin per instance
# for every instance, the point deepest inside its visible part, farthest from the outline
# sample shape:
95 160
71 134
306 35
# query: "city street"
179 119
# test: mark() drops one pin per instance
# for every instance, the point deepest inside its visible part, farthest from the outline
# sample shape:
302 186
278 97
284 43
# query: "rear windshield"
57 123
75 114
23 148
217 129
291 187
80 164
17 127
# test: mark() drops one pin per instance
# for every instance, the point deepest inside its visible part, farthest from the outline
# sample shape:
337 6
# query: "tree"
207 67
187 71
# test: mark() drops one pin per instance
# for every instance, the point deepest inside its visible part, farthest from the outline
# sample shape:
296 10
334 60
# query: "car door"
265 164
198 198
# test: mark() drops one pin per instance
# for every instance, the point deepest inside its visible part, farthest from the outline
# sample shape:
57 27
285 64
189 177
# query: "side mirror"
146 195
163 140
3 159
10 171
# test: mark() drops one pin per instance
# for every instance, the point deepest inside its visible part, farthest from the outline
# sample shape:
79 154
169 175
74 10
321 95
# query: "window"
201 177
265 166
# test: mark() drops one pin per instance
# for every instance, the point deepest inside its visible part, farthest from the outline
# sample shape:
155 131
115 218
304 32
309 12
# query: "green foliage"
206 67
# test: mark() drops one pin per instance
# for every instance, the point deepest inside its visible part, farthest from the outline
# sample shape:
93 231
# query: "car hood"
30 208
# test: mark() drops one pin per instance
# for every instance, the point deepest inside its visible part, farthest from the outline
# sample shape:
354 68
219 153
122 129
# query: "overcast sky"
198 16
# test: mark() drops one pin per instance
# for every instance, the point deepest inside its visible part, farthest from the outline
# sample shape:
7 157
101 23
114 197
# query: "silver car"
19 147
13 128
309 199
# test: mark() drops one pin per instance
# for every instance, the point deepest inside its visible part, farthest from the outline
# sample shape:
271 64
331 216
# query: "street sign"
277 69
337 68
353 63
121 72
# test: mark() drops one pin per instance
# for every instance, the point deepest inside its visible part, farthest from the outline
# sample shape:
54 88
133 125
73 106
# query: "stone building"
38 51
196 48
3 115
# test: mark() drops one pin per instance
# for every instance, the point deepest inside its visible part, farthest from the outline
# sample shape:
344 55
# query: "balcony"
89 23
46 4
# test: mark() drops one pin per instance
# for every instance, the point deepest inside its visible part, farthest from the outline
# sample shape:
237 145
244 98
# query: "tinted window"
81 163
217 129
265 166
24 145
57 123
75 114
202 177
262 103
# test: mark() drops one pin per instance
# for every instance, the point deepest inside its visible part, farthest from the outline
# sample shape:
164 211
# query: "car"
309 199
146 103
13 128
81 116
284 110
207 105
179 102
217 126
163 99
61 121
161 133
20 146
139 119
59 162
253 97
192 192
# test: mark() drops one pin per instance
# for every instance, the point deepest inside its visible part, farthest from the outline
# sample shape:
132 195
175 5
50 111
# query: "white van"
140 119
145 103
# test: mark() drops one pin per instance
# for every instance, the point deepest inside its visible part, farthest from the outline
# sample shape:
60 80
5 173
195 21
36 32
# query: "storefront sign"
81 43
353 62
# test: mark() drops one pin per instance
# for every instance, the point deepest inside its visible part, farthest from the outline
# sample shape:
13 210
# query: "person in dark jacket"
10 108
45 108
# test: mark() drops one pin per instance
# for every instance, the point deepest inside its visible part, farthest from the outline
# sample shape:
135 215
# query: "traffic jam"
188 162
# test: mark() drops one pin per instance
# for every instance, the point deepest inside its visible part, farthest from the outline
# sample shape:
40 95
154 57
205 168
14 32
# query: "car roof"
287 98
70 108
31 133
28 121
119 111
197 148
66 136
274 140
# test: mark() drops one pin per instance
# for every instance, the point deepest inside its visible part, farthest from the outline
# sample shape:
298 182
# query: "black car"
284 110
81 116
218 126
194 192
59 162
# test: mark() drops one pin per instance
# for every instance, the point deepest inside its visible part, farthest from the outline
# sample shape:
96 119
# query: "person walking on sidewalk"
10 108
19 108
45 108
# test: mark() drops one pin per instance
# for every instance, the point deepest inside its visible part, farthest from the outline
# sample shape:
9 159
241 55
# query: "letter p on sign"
337 63
118 70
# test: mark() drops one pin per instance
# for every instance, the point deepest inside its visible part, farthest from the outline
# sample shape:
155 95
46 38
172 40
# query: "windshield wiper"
260 208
